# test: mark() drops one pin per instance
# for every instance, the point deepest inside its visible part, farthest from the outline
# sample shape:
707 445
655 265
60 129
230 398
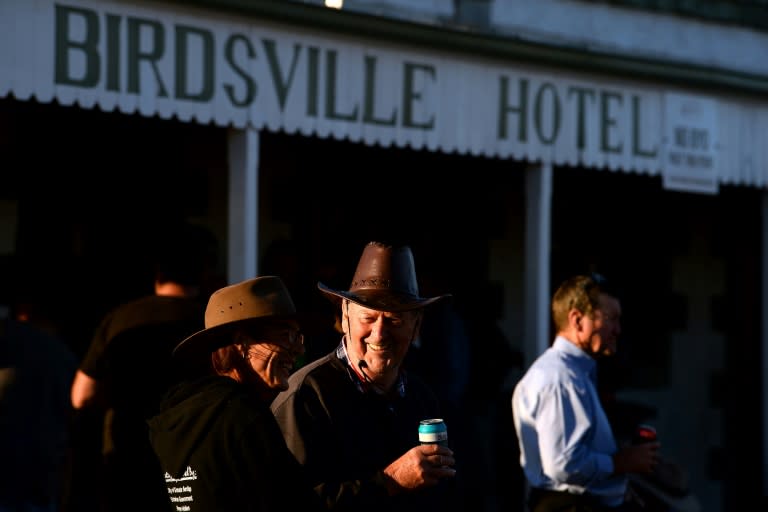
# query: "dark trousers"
542 500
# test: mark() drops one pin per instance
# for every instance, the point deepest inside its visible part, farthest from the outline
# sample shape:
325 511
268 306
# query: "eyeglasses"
296 338
264 342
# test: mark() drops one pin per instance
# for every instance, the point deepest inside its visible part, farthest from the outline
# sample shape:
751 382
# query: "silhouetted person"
36 369
215 436
128 368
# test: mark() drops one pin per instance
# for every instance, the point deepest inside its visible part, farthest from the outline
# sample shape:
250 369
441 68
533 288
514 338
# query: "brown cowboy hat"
254 301
385 280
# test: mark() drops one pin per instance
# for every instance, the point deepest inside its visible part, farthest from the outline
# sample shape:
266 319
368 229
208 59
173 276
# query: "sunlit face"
379 338
606 327
272 354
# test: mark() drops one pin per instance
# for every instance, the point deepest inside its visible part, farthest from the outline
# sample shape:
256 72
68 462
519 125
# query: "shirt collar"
580 358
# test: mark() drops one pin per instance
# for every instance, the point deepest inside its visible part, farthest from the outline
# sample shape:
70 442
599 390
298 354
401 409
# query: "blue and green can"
433 431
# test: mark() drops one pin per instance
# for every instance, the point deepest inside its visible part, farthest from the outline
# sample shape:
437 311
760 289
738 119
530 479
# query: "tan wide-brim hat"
385 280
254 301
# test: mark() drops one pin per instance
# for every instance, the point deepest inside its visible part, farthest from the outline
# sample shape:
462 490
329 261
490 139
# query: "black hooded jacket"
221 450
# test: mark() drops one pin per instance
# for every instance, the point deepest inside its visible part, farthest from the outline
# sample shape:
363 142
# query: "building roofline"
450 36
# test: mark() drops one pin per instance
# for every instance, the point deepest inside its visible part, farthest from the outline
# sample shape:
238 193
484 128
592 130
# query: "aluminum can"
433 431
644 434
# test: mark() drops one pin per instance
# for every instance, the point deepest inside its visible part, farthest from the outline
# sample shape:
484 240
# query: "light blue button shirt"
566 442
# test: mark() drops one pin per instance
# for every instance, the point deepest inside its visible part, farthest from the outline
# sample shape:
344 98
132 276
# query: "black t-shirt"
130 354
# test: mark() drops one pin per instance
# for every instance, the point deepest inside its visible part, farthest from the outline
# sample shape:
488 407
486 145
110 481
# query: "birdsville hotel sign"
200 66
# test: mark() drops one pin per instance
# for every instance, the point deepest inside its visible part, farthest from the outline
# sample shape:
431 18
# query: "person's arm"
88 386
85 390
566 425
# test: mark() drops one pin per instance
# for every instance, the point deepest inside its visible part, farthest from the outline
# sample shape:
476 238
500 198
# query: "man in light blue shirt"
567 448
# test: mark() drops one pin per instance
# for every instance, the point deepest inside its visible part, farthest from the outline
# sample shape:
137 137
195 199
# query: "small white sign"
690 144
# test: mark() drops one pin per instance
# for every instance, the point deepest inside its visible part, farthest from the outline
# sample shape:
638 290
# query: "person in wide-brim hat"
384 280
215 438
251 303
361 392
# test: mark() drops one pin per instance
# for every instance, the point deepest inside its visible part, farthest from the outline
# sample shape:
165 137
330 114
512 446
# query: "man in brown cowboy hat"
352 417
215 437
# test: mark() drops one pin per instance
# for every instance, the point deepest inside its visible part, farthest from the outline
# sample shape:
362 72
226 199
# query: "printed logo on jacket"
181 495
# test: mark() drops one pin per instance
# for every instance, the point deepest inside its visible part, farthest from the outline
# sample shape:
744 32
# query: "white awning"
208 67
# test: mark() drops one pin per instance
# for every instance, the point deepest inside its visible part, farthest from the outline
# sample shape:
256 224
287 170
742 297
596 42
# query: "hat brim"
686 502
197 346
380 300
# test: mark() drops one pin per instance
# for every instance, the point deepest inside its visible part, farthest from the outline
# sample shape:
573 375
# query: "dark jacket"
36 372
345 436
221 450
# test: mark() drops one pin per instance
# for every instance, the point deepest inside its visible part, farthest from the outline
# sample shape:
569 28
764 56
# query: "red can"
644 434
